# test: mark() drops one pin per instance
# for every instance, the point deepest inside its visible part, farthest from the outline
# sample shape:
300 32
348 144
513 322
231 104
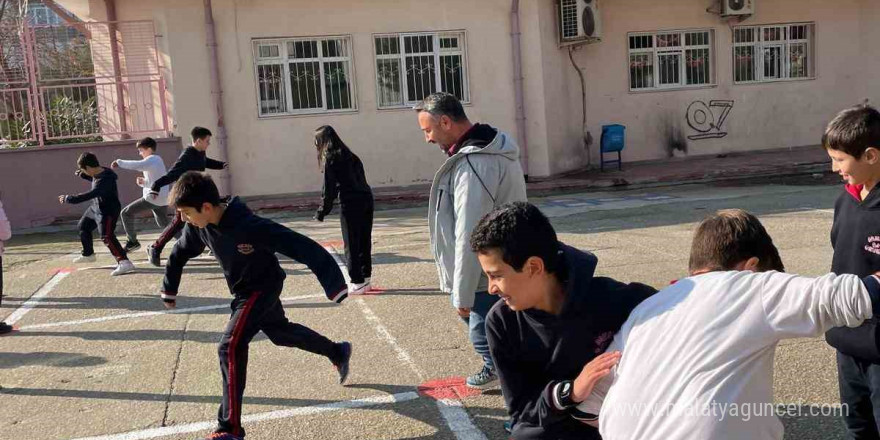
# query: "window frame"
437 53
283 59
680 50
759 44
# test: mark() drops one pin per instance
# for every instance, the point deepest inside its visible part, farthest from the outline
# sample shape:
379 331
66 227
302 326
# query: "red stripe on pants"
234 405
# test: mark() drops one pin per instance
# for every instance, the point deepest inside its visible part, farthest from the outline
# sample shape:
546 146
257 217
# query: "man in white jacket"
482 172
153 168
697 357
5 234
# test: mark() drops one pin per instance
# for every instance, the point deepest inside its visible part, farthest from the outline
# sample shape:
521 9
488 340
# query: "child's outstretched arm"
213 164
302 249
103 188
188 247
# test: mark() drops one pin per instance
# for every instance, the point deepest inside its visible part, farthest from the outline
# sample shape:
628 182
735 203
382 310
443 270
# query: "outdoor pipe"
518 87
217 97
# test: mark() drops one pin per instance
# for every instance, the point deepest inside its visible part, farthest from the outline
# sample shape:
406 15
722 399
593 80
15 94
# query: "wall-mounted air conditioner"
737 7
579 20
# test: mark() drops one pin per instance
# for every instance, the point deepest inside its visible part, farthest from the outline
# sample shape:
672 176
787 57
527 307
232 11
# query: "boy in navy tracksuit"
852 140
102 214
553 319
193 158
245 246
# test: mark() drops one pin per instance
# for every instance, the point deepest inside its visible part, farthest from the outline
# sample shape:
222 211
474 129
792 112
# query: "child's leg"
288 334
367 244
171 230
86 225
243 325
160 213
855 396
128 214
350 222
107 228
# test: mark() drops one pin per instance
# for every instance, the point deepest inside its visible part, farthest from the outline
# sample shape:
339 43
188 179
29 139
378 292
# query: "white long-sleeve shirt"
5 228
153 168
697 357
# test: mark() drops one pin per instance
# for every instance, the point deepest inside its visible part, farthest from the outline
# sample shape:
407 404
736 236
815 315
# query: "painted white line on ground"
457 418
453 412
146 314
41 293
259 417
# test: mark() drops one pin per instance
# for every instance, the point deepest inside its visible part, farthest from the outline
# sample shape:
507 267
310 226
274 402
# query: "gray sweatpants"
160 213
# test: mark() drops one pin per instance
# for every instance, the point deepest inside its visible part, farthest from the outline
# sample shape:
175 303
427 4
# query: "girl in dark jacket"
344 175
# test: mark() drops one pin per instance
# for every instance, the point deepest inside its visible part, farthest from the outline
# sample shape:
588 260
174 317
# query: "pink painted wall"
31 179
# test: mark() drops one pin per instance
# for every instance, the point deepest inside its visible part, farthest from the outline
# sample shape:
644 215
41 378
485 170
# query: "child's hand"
140 180
594 370
114 164
62 199
78 173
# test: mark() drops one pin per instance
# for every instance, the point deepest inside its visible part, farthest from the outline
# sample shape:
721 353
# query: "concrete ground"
99 357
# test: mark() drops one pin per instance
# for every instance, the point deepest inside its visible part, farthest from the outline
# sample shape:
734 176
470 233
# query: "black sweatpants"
250 315
106 225
173 229
357 231
859 384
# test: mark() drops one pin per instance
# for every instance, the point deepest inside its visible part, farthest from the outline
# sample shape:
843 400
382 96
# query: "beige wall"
771 115
276 156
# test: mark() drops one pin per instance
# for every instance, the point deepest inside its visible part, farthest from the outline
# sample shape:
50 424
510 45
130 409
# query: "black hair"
194 189
329 145
853 130
147 142
518 230
87 160
200 133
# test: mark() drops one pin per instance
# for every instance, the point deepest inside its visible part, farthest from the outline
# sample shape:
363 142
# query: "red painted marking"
62 270
447 388
375 290
332 244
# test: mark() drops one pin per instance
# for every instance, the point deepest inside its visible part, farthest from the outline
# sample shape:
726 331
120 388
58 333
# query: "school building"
686 77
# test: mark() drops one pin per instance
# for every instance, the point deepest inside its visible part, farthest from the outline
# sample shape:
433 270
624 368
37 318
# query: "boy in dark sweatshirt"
852 140
245 246
103 213
193 158
553 319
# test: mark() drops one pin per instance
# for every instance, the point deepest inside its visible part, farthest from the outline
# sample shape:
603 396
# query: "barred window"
304 75
660 60
410 67
773 53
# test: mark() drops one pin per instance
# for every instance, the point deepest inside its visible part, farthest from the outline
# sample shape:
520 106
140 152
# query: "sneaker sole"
486 386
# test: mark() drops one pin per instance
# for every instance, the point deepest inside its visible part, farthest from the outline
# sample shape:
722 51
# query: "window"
302 76
662 60
773 53
410 67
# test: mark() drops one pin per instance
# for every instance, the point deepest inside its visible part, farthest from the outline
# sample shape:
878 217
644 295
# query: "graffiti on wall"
708 120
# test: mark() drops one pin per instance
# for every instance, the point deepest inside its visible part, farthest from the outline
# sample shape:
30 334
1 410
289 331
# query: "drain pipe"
518 87
112 29
217 97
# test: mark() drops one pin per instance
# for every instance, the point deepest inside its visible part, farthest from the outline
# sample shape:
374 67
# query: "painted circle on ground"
447 388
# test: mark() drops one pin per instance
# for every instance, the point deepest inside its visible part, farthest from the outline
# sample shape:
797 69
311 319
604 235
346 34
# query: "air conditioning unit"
737 7
579 20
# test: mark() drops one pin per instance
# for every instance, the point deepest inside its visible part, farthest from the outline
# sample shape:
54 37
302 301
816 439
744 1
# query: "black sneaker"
153 256
132 246
342 367
5 328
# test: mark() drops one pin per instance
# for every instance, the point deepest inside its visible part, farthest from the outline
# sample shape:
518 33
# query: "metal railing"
80 82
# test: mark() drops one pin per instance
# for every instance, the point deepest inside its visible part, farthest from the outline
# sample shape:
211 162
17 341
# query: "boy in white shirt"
697 357
153 168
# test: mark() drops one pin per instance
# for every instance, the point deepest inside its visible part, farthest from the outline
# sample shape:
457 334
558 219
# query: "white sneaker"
85 259
359 288
124 267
